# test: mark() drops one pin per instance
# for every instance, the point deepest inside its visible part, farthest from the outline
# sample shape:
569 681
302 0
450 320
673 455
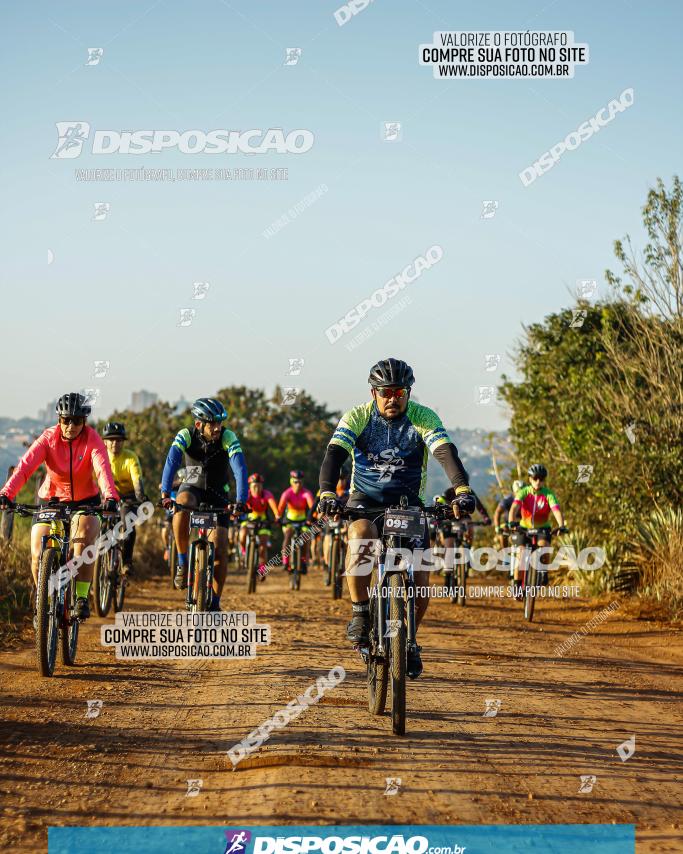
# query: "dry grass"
657 552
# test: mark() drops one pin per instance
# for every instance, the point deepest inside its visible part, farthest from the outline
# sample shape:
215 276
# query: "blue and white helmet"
208 409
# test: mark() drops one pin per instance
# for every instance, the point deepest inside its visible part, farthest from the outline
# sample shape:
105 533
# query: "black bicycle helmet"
72 404
538 470
391 372
208 409
114 430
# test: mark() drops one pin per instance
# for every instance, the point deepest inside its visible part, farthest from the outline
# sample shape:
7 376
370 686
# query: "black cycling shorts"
203 496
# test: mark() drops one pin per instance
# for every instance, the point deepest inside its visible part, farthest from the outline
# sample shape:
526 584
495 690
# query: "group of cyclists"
387 438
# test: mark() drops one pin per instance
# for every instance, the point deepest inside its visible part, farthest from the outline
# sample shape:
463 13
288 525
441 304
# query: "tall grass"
657 552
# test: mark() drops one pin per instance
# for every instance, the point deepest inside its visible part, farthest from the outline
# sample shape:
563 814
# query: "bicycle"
334 567
393 624
458 575
251 550
172 548
296 551
529 571
55 596
109 583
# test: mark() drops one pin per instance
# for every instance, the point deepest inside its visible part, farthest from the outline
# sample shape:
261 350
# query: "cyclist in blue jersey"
207 451
388 438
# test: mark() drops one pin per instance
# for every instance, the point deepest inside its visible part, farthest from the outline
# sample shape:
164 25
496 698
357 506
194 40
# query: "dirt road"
163 723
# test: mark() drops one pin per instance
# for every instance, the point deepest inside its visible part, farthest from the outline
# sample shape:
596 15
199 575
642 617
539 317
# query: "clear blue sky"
115 288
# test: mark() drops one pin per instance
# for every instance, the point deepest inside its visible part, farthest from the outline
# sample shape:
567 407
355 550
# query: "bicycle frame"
388 543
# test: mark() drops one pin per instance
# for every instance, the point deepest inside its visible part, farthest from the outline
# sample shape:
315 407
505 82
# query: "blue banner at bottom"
347 839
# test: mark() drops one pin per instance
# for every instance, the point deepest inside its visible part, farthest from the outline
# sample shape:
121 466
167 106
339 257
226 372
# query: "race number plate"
203 520
407 523
47 515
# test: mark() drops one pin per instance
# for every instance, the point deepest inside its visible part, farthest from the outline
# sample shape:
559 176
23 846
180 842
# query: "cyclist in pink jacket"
77 463
295 505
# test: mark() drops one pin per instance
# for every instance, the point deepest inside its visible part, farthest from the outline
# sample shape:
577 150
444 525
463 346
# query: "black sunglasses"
72 419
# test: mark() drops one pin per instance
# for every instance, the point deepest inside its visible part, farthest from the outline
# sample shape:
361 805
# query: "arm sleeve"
136 477
174 459
335 457
25 467
239 469
102 469
447 455
481 508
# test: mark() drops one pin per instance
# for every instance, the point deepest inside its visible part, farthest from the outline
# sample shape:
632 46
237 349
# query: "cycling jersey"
206 464
390 455
297 503
258 504
536 507
74 469
125 467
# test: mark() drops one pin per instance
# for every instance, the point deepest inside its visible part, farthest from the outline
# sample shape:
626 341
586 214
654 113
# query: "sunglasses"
68 419
398 393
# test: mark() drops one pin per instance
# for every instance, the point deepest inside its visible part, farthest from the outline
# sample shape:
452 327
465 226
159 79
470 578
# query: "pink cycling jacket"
74 469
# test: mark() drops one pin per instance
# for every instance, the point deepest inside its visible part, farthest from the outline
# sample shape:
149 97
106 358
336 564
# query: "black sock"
361 607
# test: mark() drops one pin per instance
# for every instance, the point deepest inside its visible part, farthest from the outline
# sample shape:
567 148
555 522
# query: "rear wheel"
252 559
397 646
378 672
69 625
101 584
448 584
334 568
48 618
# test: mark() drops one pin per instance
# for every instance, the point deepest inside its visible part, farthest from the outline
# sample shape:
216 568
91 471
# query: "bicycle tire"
398 658
333 574
530 593
461 583
296 568
172 558
448 584
252 560
101 584
378 672
47 633
119 580
200 577
69 633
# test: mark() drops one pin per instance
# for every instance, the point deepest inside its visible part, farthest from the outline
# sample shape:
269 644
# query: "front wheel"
397 647
378 672
252 560
47 632
172 557
200 578
295 580
461 583
118 580
333 570
101 584
530 592
69 625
